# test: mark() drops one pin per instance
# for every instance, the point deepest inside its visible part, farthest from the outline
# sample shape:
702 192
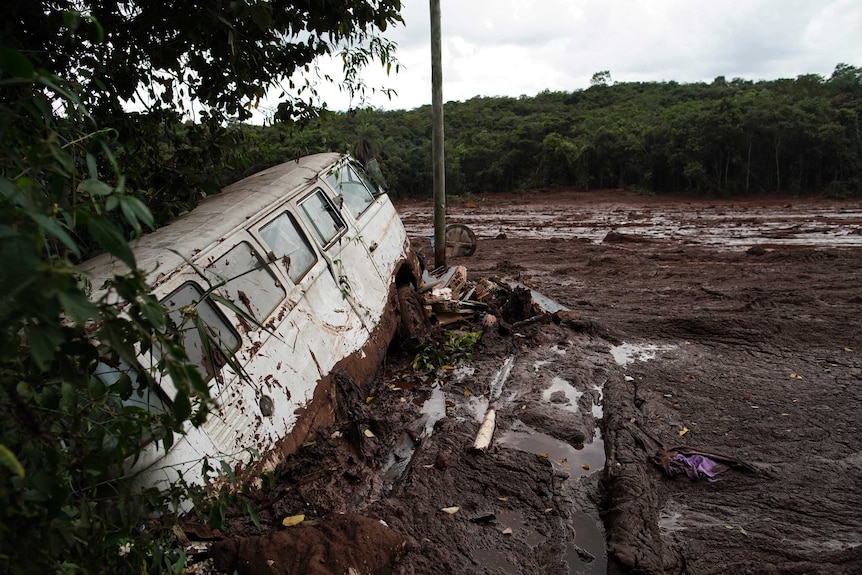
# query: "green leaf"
97 389
44 341
154 312
217 515
182 406
168 440
53 228
114 335
124 386
71 19
228 471
77 306
24 390
251 509
110 238
95 187
14 63
8 459
69 401
135 212
12 191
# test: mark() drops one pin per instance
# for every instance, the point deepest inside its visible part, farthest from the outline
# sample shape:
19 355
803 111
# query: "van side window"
289 245
250 284
222 337
322 217
350 186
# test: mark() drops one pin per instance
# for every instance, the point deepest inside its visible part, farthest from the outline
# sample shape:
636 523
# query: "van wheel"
413 321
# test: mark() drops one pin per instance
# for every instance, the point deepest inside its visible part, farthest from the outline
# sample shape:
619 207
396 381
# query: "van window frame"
297 225
331 209
262 267
218 353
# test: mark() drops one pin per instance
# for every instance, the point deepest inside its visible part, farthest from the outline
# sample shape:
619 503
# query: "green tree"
80 174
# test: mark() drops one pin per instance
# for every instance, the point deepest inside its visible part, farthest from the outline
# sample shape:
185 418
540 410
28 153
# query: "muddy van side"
312 254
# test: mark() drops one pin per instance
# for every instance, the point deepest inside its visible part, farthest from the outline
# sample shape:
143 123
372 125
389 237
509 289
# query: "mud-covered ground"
725 327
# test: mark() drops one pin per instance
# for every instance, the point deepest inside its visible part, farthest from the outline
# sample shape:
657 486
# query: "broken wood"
486 430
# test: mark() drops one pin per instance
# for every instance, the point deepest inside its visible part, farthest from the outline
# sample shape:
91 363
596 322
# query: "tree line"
727 137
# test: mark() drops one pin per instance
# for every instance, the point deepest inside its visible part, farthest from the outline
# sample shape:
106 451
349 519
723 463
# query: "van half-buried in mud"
312 255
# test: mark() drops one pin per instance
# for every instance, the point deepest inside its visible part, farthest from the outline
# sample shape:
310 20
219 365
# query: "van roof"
214 218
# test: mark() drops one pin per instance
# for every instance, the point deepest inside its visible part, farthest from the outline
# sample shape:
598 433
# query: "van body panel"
314 278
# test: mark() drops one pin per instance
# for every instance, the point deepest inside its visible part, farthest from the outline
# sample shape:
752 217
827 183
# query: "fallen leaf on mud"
450 510
548 509
795 375
368 433
848 349
586 466
429 466
545 455
369 399
743 531
629 378
684 430
403 400
755 407
633 420
503 498
785 414
467 391
336 434
293 520
507 531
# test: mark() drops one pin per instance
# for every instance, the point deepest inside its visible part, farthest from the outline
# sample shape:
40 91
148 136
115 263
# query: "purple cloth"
695 466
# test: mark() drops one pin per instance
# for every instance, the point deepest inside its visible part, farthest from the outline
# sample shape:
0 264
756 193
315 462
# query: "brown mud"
728 327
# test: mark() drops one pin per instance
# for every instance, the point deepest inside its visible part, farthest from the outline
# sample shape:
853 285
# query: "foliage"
67 433
79 175
732 137
191 72
455 348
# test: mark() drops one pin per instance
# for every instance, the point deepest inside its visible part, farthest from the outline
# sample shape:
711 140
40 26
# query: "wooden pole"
439 170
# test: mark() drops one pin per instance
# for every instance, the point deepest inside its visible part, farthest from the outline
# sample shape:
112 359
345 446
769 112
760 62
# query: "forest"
729 138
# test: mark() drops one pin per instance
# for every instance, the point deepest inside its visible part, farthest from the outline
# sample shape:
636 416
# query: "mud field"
730 329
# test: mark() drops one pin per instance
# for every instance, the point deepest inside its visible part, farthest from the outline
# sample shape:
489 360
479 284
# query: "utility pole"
437 158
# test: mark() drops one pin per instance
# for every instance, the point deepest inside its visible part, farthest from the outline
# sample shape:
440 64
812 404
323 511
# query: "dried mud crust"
759 359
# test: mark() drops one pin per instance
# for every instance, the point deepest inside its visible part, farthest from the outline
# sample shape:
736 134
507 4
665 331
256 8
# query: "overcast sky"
521 47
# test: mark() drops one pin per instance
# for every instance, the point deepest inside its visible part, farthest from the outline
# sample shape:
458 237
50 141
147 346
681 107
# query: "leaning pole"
439 170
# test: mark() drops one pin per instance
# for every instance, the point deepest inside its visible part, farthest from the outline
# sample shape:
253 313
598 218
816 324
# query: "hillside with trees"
729 137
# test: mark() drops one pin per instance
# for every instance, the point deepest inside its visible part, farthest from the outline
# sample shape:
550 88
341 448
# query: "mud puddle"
585 549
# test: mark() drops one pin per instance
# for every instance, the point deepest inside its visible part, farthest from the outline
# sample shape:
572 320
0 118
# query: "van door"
350 261
377 225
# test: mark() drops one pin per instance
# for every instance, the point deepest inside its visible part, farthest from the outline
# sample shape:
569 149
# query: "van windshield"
350 186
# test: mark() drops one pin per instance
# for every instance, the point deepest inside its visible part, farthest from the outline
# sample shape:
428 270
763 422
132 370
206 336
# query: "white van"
313 251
